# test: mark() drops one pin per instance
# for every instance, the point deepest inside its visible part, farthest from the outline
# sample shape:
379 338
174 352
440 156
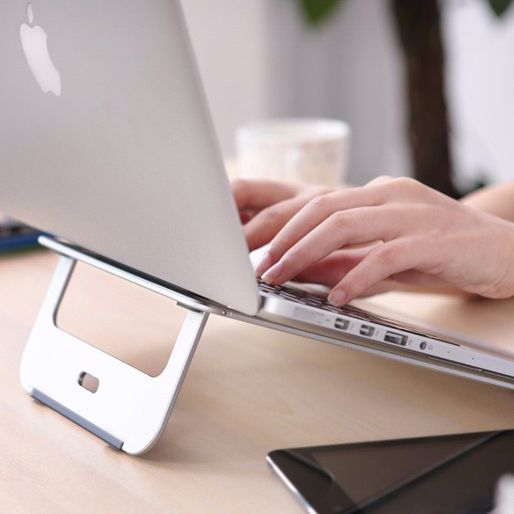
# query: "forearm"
497 200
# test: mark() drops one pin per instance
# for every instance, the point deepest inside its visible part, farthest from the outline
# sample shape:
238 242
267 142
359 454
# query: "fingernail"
337 297
273 273
264 264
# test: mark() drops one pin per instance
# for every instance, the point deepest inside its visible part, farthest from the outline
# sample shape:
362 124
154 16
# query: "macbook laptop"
106 142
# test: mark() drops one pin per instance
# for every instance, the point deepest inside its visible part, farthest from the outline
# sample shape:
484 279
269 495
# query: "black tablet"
452 474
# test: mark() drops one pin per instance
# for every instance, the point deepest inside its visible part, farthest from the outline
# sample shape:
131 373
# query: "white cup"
299 150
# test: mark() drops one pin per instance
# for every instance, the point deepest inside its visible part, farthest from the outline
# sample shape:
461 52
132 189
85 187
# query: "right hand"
266 206
445 244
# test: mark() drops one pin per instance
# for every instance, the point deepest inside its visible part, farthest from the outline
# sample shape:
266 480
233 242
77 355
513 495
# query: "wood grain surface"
249 390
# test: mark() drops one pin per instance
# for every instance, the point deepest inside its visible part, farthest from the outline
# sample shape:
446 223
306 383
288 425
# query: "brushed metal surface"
124 162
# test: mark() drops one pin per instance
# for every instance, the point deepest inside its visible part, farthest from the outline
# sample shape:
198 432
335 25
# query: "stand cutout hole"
133 324
88 382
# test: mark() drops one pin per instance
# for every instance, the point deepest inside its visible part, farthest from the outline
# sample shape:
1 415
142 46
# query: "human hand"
410 233
265 206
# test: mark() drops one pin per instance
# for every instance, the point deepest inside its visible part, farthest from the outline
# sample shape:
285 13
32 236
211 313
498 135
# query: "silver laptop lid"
118 155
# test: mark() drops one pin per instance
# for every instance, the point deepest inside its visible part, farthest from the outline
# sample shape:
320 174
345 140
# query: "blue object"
18 239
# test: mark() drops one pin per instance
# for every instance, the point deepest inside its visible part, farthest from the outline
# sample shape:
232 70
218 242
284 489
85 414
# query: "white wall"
259 60
230 42
481 88
348 69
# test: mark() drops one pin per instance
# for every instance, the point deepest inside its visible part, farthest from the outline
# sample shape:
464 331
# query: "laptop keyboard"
293 294
299 296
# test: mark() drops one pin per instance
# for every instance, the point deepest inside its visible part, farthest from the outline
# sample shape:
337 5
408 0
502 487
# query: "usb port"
341 323
393 337
366 330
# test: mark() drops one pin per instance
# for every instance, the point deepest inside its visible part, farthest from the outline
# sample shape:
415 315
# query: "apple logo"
35 47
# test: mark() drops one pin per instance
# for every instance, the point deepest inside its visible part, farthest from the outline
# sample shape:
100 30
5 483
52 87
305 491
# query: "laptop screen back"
106 142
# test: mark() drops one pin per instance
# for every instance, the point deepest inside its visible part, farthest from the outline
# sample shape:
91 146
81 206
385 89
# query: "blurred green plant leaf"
499 7
317 11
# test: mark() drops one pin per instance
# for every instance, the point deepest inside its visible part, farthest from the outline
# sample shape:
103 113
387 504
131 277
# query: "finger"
361 225
246 215
331 269
318 210
265 225
380 264
255 194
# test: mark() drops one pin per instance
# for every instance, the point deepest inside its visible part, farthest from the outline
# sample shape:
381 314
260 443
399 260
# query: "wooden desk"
249 390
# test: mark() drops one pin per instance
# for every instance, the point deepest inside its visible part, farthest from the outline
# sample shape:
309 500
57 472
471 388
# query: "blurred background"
426 86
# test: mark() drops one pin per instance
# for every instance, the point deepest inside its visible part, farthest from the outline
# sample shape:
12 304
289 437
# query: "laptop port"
366 330
341 323
394 337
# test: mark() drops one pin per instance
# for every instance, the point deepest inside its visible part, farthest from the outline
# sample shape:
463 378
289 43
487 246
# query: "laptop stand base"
128 409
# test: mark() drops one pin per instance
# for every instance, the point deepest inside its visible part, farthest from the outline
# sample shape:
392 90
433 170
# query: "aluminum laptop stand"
129 409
